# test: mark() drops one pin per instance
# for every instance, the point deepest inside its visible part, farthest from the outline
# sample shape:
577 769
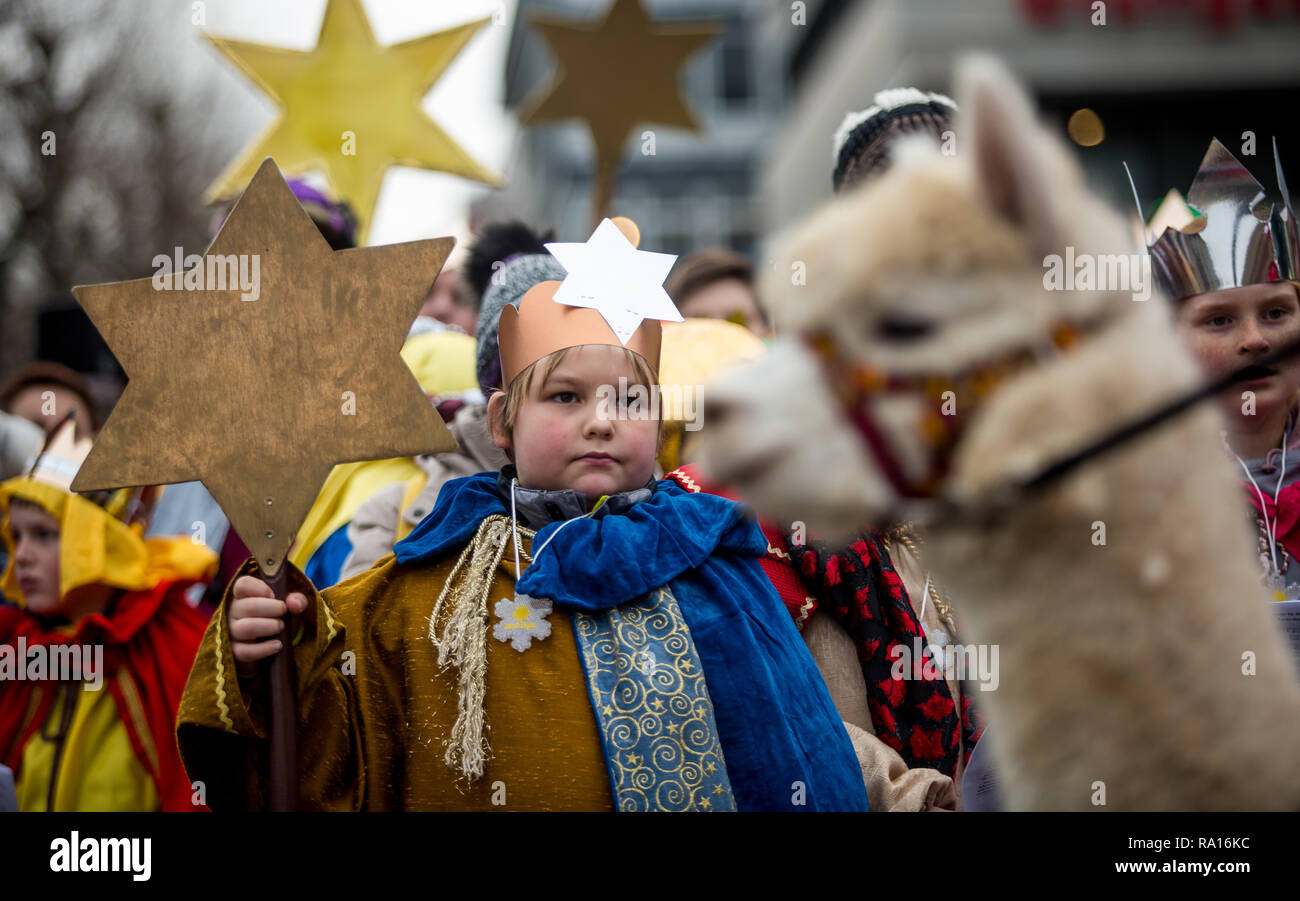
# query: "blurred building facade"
1164 78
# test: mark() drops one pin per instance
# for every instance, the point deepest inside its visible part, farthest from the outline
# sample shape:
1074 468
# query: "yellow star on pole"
616 75
350 108
259 385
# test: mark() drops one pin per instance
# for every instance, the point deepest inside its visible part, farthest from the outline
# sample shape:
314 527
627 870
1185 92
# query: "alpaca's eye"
903 328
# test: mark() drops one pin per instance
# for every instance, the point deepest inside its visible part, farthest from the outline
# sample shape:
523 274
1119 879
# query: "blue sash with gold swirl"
694 559
652 707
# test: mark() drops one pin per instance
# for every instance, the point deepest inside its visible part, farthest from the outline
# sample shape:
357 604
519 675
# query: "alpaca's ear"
1015 163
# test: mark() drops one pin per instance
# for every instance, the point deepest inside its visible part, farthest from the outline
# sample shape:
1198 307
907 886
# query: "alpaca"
1140 664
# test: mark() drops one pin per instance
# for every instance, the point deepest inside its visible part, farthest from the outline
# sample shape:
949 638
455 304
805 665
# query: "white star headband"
609 275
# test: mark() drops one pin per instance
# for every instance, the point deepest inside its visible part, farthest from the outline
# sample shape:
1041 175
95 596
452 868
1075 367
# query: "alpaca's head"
930 279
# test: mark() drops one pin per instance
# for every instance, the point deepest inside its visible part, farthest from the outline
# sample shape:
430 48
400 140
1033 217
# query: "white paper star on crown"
609 275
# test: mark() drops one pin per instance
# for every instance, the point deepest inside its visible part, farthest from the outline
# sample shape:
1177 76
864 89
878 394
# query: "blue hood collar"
602 561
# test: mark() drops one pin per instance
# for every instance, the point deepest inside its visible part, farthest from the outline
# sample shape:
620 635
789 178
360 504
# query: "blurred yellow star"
615 75
350 108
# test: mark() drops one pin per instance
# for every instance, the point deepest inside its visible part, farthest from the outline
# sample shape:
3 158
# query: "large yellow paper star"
350 108
615 75
259 389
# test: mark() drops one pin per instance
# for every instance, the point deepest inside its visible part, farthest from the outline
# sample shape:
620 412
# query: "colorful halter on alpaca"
855 383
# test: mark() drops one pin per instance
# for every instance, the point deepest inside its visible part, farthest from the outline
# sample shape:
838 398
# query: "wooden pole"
283 727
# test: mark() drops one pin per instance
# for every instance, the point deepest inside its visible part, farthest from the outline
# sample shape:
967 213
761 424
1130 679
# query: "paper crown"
1285 228
1229 244
1172 212
612 294
60 459
542 325
100 533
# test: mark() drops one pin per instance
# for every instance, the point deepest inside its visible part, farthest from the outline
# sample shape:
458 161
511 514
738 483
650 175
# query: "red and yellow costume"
73 747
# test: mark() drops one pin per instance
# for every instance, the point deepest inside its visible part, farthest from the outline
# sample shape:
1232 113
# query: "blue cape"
784 744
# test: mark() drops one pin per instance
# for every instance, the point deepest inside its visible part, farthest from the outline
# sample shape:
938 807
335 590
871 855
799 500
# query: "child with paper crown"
94 655
566 633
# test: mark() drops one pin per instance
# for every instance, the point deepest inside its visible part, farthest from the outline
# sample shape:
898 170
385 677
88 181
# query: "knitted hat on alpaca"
863 140
508 285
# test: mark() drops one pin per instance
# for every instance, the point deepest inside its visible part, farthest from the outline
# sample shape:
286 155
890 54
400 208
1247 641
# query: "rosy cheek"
645 448
550 432
540 438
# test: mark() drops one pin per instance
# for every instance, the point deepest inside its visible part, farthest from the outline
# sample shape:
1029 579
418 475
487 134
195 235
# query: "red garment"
154 634
1285 510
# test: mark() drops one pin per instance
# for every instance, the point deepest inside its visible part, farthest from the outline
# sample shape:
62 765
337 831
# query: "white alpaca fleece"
1148 671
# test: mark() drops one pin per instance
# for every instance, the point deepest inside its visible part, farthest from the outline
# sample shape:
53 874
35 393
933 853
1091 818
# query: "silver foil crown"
1230 244
1286 231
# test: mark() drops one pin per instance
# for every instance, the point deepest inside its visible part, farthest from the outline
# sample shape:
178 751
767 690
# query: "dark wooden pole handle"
284 715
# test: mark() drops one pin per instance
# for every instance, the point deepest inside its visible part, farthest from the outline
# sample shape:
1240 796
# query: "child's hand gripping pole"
259 630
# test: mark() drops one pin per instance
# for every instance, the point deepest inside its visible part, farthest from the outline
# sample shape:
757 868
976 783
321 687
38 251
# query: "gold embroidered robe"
374 709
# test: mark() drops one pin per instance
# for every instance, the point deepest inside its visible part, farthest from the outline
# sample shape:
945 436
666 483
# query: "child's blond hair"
517 391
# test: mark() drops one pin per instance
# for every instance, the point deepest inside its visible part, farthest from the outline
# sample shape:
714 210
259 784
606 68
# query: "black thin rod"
1132 430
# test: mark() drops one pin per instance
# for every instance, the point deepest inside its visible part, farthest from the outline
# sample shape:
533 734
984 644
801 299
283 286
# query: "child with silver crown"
1227 257
565 634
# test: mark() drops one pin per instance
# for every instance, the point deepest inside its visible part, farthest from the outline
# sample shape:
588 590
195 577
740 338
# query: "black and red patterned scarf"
860 588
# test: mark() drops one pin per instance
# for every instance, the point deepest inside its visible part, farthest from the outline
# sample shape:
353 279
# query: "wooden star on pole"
615 75
261 367
350 108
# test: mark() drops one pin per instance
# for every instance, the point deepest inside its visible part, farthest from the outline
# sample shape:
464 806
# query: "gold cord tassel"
463 604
